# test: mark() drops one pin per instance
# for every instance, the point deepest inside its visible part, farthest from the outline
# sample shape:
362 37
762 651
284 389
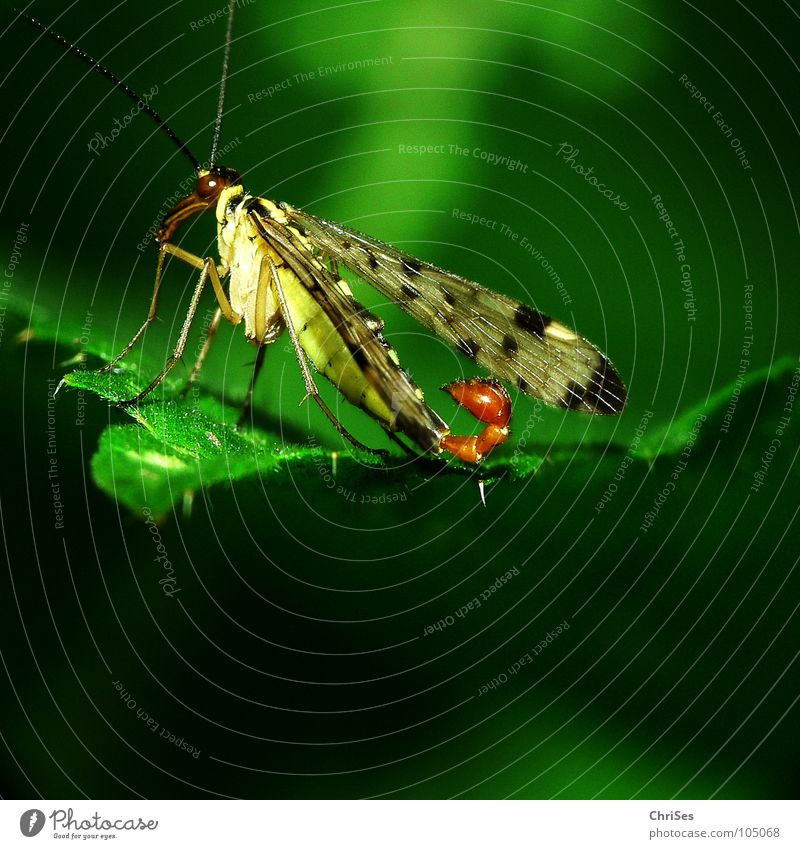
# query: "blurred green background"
299 656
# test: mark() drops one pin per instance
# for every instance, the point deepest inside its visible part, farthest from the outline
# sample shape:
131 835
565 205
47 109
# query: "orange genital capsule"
488 401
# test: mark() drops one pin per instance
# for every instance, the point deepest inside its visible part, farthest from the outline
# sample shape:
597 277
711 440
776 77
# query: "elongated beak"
191 205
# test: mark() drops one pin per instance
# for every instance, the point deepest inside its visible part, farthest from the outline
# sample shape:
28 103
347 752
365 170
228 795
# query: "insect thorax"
251 292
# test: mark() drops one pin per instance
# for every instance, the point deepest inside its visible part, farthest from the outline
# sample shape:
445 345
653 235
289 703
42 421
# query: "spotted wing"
401 405
515 342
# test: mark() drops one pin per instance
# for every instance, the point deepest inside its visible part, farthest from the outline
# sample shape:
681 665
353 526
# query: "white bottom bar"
401 824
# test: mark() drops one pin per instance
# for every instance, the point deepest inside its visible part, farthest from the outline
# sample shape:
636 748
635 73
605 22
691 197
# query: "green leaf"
177 448
672 437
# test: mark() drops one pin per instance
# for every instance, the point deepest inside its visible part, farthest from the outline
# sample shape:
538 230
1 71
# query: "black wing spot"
573 396
411 267
510 345
449 298
523 384
606 393
531 320
373 260
409 291
360 357
347 244
469 347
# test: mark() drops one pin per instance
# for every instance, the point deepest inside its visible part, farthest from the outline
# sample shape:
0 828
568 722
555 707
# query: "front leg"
209 270
151 314
195 262
214 271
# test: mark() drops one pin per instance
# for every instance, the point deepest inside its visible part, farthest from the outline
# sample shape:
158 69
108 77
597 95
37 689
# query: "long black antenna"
223 82
116 81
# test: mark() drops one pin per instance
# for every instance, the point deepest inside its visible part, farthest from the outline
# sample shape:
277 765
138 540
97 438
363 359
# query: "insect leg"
224 306
211 332
248 400
210 267
183 336
311 387
151 313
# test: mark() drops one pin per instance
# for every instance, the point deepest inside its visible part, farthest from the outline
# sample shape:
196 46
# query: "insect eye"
209 185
